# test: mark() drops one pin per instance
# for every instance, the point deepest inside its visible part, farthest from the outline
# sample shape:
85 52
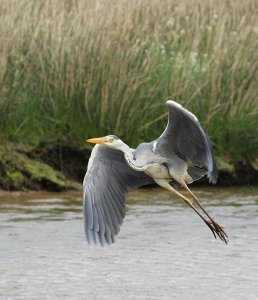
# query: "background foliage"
76 69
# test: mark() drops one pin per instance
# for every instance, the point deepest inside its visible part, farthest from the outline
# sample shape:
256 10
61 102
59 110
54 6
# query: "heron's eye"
111 140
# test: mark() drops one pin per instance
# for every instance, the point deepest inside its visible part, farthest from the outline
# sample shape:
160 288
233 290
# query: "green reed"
77 69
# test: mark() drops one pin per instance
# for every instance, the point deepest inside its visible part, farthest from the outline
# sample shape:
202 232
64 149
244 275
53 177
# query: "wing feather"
185 137
88 211
105 185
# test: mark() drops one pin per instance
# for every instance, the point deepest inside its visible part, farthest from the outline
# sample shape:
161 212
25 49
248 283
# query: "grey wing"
185 137
105 185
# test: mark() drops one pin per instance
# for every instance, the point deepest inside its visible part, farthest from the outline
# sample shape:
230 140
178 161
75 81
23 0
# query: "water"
163 251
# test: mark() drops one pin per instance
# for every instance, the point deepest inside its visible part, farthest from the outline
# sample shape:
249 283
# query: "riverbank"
62 166
52 167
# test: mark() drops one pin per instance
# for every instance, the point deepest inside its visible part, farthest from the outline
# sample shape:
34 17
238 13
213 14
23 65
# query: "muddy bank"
52 167
62 166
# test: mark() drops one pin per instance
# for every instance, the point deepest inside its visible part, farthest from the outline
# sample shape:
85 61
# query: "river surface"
163 251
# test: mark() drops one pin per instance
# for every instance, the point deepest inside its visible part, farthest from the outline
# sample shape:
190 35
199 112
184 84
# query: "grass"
76 69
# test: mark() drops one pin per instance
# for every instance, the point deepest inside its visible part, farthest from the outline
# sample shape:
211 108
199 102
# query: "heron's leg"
219 230
214 227
195 199
165 184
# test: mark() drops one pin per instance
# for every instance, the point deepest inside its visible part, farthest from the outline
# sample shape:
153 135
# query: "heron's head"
110 140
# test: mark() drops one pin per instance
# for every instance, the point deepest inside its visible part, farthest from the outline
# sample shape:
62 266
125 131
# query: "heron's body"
167 168
181 155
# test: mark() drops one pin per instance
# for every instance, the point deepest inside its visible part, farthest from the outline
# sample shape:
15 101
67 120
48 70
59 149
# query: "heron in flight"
181 155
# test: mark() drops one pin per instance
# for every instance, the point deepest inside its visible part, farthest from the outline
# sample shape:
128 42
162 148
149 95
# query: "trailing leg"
214 227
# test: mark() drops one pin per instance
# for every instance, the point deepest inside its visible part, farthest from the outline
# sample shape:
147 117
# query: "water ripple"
163 251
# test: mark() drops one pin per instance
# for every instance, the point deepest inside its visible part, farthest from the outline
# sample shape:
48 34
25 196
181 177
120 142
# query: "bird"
181 155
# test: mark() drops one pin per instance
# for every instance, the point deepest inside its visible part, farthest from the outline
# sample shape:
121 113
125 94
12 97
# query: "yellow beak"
101 140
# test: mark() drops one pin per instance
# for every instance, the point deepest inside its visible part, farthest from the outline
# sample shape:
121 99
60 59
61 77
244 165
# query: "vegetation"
76 69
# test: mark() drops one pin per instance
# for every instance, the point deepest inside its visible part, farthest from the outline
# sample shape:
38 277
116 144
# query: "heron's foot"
217 230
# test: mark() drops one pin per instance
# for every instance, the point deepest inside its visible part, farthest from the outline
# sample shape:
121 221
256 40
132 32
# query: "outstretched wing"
105 184
185 137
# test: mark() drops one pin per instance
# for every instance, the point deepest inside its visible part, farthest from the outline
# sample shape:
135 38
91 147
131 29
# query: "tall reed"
76 69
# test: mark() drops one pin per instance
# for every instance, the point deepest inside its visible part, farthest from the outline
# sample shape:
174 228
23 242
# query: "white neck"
130 158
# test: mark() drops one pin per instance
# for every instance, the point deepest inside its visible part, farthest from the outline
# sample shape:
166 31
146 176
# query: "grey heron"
181 155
